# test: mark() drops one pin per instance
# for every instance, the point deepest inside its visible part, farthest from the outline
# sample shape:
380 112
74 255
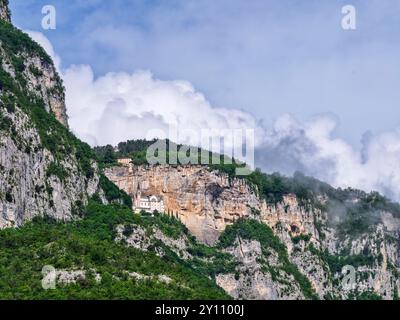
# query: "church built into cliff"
149 203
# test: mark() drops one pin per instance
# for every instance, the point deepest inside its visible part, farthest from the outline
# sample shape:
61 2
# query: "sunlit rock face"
205 201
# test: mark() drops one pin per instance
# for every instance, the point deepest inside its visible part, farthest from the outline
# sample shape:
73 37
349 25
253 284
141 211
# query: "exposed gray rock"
28 188
25 188
137 239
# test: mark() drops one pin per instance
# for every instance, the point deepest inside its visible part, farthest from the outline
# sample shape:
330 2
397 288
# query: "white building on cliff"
149 203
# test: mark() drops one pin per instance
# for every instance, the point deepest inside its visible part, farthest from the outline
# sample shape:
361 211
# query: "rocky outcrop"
4 11
142 277
251 281
37 69
207 201
43 80
26 188
44 169
142 239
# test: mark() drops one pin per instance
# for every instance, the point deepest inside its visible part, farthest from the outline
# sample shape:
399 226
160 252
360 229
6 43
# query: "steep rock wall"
4 11
44 169
208 201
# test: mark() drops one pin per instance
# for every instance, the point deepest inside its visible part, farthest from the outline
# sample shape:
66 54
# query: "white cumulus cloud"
121 106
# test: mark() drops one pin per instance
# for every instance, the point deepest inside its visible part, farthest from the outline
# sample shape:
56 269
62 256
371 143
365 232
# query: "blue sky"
266 57
322 100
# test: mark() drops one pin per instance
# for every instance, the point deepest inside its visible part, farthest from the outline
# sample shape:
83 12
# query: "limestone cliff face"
44 169
43 80
208 201
252 282
39 72
26 188
4 11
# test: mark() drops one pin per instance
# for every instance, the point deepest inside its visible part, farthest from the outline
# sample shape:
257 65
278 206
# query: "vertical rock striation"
207 202
44 169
